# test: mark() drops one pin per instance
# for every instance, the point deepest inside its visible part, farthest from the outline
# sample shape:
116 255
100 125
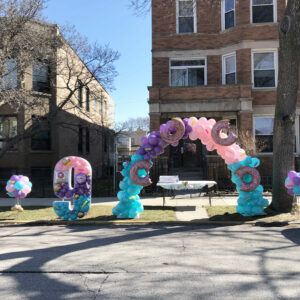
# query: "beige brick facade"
97 125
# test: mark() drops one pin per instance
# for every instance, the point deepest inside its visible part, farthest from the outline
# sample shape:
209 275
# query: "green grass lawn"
228 213
96 213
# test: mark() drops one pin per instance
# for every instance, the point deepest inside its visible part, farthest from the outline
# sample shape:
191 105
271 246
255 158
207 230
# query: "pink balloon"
193 135
10 188
25 179
192 121
26 189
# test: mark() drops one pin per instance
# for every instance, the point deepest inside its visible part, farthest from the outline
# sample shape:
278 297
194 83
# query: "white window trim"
224 67
272 116
195 16
223 15
275 51
274 12
184 67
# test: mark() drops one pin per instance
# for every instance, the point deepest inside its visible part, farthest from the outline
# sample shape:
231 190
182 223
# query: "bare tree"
134 124
72 63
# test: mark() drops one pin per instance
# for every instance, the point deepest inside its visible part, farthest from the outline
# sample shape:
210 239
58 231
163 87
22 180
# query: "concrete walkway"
187 209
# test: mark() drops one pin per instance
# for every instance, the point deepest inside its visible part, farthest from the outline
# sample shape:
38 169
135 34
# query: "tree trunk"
285 111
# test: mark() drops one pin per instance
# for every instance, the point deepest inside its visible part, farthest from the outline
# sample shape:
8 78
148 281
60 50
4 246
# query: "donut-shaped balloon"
173 131
216 134
80 193
134 170
255 178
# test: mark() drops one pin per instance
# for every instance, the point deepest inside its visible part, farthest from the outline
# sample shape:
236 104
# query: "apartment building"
83 127
216 61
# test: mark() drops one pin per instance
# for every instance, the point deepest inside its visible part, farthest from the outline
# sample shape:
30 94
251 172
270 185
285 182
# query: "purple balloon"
173 130
292 174
159 150
296 180
69 194
153 140
144 140
147 156
16 194
141 151
157 133
22 195
163 128
14 178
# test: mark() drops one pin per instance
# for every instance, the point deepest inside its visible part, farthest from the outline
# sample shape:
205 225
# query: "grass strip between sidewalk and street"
96 213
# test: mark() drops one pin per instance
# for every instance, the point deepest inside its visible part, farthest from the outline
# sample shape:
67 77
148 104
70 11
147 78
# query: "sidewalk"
187 209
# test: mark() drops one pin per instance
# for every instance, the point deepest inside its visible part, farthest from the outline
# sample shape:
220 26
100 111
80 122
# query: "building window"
87 140
263 127
229 69
95 102
264 65
40 77
228 14
80 88
40 141
80 139
8 129
10 78
87 94
186 16
264 11
100 106
188 72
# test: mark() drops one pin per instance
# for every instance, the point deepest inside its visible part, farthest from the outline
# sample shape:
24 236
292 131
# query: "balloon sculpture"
216 136
18 186
81 193
292 183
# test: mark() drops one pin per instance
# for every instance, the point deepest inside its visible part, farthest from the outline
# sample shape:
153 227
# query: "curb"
141 223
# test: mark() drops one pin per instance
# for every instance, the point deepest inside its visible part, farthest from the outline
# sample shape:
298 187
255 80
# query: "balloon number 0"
80 193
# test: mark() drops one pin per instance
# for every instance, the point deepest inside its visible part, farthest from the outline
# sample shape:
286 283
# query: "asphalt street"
149 262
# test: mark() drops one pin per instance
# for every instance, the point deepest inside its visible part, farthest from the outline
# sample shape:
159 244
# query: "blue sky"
110 21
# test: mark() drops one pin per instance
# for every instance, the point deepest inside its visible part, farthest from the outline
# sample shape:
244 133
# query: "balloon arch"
216 136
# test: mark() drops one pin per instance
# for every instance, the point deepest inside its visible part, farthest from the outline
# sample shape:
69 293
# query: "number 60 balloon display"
80 193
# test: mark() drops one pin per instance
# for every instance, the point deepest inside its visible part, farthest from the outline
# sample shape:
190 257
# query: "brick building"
84 127
221 62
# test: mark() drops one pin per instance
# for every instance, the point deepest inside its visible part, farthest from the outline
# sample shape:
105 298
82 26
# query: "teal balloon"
142 173
19 185
296 190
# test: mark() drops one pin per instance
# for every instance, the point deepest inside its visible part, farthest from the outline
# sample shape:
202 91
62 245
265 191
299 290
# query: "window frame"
87 99
33 138
41 86
194 17
12 76
274 12
273 117
275 51
224 67
223 15
14 147
186 67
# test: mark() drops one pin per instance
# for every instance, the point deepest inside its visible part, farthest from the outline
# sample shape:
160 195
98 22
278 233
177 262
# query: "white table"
186 186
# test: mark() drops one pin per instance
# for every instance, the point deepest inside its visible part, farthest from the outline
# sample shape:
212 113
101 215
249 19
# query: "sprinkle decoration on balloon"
292 183
18 186
215 136
80 193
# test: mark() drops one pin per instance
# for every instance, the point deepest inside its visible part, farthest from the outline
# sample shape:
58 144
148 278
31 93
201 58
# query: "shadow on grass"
270 219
